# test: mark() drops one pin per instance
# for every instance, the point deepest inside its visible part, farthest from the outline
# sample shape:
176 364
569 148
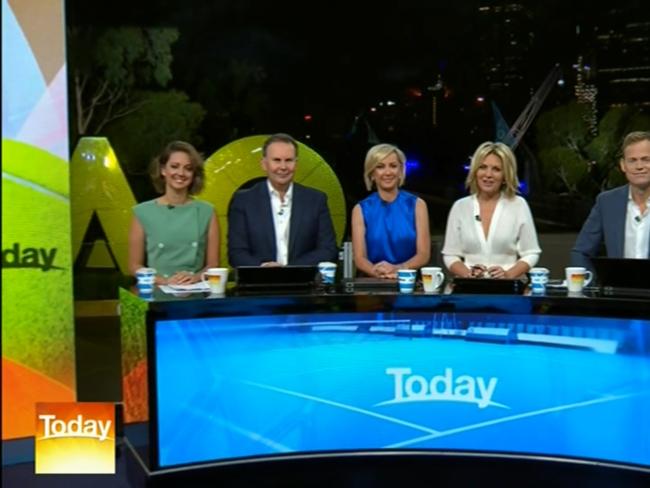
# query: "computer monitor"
268 278
490 286
623 273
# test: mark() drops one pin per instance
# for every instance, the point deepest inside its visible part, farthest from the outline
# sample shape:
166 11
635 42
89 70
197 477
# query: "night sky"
336 60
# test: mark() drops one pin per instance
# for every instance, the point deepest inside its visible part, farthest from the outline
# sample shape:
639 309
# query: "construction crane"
521 125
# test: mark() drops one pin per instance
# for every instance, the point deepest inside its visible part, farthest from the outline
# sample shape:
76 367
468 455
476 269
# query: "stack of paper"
198 287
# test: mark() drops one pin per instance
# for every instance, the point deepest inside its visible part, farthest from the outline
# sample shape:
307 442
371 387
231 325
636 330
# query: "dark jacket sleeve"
326 249
240 251
590 238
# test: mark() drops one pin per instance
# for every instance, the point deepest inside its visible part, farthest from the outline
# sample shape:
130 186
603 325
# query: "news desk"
222 380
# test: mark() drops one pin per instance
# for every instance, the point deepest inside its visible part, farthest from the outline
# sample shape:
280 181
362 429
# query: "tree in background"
572 160
162 117
109 65
120 79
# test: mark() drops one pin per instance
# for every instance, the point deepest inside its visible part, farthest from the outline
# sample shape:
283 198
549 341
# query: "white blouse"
511 236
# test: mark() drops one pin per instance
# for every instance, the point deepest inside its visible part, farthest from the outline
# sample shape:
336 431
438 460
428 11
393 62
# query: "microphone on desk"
170 206
477 218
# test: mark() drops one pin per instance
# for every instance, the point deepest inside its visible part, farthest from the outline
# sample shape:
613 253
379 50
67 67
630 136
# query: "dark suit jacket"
605 222
251 234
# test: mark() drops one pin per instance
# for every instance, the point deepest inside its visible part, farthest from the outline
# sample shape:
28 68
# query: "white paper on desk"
556 284
198 287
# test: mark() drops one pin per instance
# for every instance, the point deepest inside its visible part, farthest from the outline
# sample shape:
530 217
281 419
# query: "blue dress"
390 228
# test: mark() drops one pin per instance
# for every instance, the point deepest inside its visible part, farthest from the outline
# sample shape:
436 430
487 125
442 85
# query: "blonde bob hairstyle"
508 166
376 155
159 162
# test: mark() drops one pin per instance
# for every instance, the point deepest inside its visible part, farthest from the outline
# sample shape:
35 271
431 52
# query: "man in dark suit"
621 216
278 222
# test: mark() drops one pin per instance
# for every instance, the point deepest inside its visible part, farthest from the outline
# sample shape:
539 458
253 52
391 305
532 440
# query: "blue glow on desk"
248 386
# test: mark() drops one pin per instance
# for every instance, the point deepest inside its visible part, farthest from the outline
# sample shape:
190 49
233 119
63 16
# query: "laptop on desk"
369 284
263 279
619 276
489 286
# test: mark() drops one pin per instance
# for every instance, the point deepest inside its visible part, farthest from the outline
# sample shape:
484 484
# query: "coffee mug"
145 280
432 278
538 280
216 278
577 278
327 271
406 280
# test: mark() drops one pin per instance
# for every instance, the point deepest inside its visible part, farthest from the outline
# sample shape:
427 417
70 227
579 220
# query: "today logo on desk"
74 438
409 387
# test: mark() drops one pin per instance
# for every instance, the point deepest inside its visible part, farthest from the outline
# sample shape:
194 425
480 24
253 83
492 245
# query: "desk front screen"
243 387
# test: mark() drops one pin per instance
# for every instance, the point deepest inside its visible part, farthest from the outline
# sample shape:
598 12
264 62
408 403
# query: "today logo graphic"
29 257
409 387
73 438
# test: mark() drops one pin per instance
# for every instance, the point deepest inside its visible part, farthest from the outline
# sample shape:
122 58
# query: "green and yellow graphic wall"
99 187
41 233
37 326
228 169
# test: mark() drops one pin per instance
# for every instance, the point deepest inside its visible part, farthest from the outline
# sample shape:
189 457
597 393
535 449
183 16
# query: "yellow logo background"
75 438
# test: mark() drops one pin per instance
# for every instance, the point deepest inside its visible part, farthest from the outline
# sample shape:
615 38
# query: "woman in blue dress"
390 228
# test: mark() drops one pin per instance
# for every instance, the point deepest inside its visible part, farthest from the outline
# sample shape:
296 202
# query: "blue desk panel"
247 386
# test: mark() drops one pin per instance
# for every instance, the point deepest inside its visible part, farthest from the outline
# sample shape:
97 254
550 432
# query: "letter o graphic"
420 391
238 162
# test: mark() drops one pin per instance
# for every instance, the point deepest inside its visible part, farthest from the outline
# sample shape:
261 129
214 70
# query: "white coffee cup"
432 278
327 271
577 278
216 278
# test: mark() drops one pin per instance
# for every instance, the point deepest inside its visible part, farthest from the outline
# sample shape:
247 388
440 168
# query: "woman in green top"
174 233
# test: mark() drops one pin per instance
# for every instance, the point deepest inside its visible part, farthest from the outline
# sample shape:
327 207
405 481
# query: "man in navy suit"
621 216
278 222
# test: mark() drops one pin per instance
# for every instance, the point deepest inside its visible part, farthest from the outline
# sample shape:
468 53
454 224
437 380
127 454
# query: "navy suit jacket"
251 233
606 222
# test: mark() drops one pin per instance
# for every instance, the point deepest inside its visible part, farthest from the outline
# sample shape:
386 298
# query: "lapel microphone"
170 206
477 218
637 218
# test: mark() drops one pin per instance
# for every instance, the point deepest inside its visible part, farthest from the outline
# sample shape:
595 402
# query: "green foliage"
563 126
572 159
108 65
163 117
562 168
132 55
118 76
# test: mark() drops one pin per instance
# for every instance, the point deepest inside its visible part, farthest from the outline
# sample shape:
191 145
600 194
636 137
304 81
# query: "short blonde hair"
508 166
633 138
376 155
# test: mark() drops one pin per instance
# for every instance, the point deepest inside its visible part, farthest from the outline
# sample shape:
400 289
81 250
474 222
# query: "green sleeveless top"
175 238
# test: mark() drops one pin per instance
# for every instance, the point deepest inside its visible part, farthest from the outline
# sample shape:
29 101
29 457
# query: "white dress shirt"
637 230
281 210
511 236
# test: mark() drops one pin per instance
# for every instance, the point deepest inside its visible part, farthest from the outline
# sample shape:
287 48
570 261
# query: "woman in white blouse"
491 232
